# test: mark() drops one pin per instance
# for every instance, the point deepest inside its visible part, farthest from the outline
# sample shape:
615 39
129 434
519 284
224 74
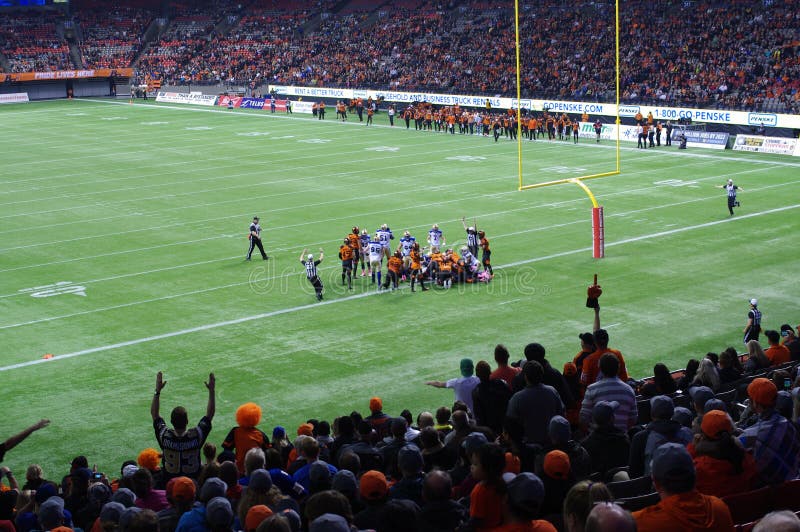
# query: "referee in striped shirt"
731 189
311 270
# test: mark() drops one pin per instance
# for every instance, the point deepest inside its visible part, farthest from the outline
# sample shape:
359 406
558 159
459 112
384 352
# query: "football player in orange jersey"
346 254
486 256
355 243
393 272
416 267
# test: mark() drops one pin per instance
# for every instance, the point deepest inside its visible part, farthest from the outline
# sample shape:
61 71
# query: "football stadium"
406 265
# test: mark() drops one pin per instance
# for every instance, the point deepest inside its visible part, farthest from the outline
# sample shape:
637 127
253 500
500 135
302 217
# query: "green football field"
123 235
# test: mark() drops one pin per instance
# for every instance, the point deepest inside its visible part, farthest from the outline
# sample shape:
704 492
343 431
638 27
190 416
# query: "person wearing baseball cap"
660 430
753 326
773 439
723 466
789 339
682 507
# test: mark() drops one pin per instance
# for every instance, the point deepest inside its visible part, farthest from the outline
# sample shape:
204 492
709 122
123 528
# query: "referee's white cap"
754 302
310 256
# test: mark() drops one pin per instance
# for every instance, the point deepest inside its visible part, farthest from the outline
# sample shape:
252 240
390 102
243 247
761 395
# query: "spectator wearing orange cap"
773 439
682 507
246 436
374 491
180 492
723 466
377 419
255 516
558 479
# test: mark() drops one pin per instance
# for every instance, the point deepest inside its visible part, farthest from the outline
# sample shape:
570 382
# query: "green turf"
147 207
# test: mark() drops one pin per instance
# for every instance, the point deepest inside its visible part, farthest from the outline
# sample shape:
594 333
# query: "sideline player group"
408 261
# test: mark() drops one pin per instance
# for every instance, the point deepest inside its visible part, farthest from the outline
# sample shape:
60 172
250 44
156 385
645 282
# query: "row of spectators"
720 55
520 449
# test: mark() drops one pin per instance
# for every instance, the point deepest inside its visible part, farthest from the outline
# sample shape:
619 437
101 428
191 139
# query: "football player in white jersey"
384 235
376 252
406 245
435 237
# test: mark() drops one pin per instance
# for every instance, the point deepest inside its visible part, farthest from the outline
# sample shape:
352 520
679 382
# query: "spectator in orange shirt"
723 466
486 499
777 353
503 371
682 507
522 504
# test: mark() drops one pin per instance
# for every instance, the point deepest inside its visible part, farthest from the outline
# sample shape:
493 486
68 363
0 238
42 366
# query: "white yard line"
210 326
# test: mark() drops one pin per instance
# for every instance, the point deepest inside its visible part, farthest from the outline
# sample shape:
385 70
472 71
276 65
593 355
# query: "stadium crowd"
523 447
740 55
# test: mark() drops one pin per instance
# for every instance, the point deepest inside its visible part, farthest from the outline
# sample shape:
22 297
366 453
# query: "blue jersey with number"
375 248
406 245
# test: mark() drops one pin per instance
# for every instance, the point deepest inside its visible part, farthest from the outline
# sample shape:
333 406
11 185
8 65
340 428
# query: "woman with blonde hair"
756 359
707 375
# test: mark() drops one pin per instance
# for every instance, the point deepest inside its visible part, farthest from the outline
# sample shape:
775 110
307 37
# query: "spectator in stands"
380 422
180 494
608 516
662 429
486 498
610 388
522 505
784 521
435 454
688 374
662 383
16 439
181 445
591 366
551 377
309 450
729 366
777 353
369 456
374 491
490 398
723 466
328 510
757 359
580 500
503 371
146 496
391 446
587 348
409 484
535 405
707 375
773 439
195 519
700 395
560 433
246 435
607 445
790 340
682 507
344 435
439 511
462 386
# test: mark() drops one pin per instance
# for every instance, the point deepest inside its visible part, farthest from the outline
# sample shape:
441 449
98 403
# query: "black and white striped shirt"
731 188
311 268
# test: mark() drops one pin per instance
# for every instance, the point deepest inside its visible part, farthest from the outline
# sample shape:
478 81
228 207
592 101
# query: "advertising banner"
193 98
660 113
760 144
16 97
705 139
68 74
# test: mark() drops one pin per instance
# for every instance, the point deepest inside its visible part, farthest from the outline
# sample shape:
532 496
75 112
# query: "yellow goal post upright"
598 229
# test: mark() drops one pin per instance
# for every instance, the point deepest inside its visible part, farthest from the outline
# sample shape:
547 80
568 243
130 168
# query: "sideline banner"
705 139
68 74
193 98
660 113
760 144
16 97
